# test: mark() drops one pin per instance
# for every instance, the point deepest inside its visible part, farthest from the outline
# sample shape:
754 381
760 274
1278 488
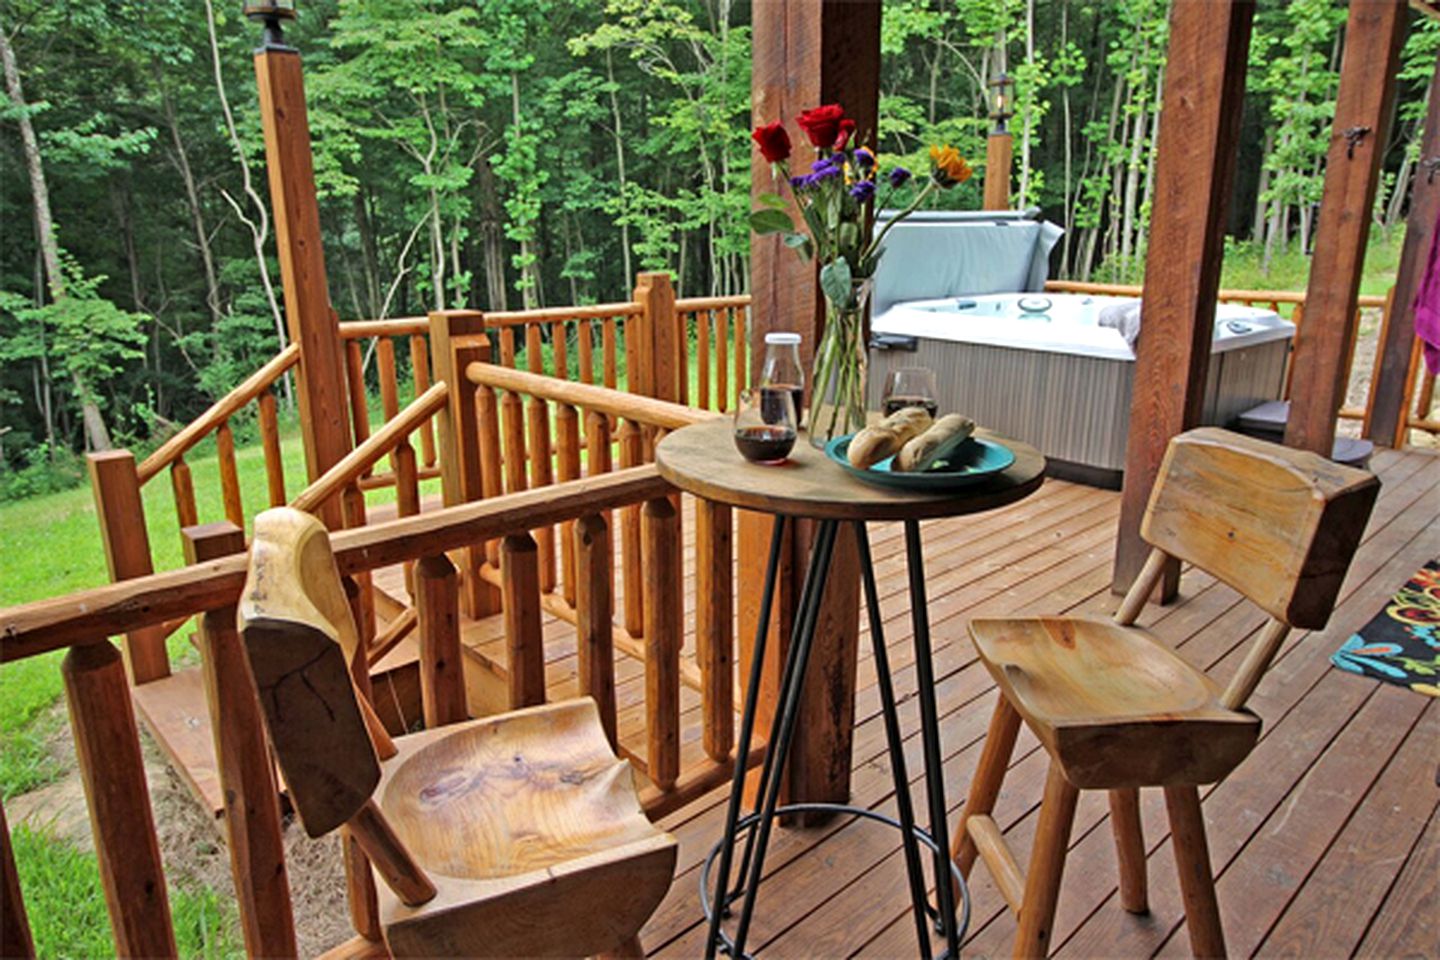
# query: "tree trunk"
1257 228
492 238
369 256
197 217
97 437
619 138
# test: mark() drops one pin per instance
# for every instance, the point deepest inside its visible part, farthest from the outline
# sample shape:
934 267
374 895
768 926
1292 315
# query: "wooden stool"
515 835
1117 709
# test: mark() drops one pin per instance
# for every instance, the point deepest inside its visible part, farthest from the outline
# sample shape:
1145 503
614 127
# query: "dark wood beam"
1194 168
1390 397
1374 34
806 53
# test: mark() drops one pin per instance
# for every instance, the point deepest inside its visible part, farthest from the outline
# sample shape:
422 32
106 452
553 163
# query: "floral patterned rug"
1401 644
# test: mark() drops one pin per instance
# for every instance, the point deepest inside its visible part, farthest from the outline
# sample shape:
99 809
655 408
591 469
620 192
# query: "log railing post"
567 467
631 455
442 666
107 748
594 616
270 444
242 757
656 296
15 939
457 339
524 643
121 512
714 623
492 484
664 633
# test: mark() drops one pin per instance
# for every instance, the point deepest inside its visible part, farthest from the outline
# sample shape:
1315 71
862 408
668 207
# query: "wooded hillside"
517 153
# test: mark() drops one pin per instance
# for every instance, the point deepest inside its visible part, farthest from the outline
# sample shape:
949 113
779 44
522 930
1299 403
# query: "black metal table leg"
784 729
742 750
930 733
897 747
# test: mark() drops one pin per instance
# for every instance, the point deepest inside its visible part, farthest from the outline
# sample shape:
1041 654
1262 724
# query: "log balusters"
664 634
595 614
437 603
524 645
229 474
182 484
540 455
567 467
631 455
714 625
270 445
115 481
15 939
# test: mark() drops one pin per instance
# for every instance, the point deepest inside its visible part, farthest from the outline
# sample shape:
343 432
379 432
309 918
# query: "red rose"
847 127
822 124
773 141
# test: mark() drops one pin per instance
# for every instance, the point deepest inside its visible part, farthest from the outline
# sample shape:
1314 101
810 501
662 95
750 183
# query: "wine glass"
765 425
910 387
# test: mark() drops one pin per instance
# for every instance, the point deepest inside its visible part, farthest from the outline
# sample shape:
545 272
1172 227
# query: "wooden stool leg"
1047 865
1129 849
1192 860
985 788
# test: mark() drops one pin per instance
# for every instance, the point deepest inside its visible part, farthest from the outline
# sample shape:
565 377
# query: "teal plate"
976 460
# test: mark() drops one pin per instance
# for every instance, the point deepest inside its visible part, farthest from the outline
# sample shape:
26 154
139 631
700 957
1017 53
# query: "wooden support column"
1390 398
121 511
457 339
999 156
806 53
253 827
1199 132
1374 34
313 323
659 336
15 939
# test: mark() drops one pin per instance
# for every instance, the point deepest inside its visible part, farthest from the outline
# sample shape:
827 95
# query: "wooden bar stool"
514 835
1117 709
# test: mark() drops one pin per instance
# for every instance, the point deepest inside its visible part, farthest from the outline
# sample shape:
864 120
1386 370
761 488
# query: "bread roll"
934 444
873 444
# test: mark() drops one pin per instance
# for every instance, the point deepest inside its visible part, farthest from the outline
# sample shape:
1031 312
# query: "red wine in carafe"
894 403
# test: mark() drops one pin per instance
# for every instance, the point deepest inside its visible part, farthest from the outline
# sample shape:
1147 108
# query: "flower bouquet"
836 199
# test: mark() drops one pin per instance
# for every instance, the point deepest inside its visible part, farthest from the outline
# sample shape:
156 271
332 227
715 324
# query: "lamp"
270 13
1002 100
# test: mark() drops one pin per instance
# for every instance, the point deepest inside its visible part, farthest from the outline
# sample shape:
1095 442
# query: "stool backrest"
299 637
1279 525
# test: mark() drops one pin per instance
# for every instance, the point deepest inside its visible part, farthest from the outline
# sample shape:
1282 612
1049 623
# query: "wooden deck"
1325 841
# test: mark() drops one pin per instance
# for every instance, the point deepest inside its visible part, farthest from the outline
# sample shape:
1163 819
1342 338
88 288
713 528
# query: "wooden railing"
104 728
1419 389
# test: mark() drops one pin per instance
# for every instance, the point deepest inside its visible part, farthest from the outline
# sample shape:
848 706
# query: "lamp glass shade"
270 9
1002 98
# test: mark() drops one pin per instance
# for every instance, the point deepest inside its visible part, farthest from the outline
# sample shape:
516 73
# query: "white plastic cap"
784 339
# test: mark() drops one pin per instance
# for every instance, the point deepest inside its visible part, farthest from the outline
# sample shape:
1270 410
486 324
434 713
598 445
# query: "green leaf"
770 221
835 281
801 243
773 201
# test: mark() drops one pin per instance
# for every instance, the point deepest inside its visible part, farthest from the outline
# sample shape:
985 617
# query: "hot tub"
1039 367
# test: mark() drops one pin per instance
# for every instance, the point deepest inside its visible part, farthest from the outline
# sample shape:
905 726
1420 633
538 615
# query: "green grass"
66 910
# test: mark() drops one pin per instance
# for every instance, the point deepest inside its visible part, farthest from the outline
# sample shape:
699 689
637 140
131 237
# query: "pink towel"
1427 305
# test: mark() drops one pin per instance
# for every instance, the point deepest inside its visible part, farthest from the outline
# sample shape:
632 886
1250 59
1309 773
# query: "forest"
508 154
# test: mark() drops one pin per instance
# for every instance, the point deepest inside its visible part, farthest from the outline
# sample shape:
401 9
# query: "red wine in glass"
765 444
772 404
894 403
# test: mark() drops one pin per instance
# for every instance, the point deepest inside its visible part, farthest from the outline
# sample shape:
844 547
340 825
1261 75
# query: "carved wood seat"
514 835
1117 709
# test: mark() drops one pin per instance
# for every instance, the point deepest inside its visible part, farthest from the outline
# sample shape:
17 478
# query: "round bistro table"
702 460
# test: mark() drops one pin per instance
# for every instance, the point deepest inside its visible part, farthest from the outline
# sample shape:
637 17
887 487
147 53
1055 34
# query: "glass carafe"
782 373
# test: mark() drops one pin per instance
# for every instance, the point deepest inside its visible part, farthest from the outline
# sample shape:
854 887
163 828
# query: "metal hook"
1353 136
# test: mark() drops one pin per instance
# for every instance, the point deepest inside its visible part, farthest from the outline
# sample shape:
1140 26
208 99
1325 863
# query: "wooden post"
107 747
999 155
1389 416
15 939
457 339
806 52
594 616
1374 34
1199 132
313 324
442 664
664 633
659 335
121 511
714 626
242 756
524 640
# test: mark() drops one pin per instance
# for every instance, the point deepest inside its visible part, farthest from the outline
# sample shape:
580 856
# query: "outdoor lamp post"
270 13
1000 149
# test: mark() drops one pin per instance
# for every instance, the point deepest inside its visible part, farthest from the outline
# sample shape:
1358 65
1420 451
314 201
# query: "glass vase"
837 396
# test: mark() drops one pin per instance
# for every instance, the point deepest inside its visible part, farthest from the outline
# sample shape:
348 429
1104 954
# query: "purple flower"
824 169
864 159
863 191
799 183
898 176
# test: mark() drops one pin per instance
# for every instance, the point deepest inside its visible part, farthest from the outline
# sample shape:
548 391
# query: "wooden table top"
701 459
